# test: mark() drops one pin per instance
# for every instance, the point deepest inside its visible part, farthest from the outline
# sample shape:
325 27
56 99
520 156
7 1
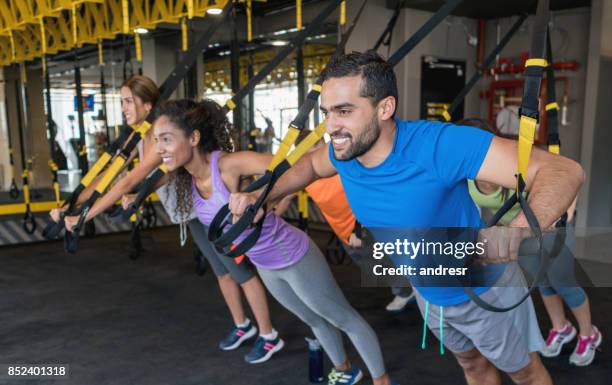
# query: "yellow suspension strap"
298 14
282 161
342 20
56 189
184 36
71 239
529 117
28 223
303 210
249 11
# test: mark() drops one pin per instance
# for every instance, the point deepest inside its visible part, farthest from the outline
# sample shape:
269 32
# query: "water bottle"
315 361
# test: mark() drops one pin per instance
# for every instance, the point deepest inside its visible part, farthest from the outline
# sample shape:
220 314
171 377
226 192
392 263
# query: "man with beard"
399 174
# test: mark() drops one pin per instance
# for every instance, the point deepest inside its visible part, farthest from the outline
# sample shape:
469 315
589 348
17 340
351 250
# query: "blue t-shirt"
422 183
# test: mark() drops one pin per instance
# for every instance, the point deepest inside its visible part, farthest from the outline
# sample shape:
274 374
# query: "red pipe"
481 42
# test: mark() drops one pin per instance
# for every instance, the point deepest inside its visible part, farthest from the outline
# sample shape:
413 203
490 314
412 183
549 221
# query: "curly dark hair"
209 119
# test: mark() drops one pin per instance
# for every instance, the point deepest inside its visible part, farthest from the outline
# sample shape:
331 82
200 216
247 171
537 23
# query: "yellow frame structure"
30 29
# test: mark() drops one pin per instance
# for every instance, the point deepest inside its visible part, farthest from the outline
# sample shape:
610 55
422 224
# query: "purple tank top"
279 245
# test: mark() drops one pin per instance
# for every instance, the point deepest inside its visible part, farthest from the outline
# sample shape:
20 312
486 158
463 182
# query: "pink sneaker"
556 339
584 353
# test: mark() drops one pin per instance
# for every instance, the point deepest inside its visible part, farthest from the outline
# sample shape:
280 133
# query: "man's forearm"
553 190
300 175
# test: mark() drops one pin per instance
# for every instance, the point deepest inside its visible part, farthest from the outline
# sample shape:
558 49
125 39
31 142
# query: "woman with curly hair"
138 96
193 141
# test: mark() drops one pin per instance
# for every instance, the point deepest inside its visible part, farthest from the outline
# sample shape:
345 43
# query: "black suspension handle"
71 238
13 190
29 223
544 256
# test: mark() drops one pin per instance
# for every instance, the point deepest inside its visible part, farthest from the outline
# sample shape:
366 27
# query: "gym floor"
154 321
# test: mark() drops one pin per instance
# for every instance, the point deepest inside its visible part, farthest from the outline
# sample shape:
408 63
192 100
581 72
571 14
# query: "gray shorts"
220 264
505 339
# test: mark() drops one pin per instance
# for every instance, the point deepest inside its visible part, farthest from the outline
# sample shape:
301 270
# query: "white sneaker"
584 353
556 339
399 303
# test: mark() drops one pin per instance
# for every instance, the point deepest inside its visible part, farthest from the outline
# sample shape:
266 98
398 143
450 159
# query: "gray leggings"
220 264
309 290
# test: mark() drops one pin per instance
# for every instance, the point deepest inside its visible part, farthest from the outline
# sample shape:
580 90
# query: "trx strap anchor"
282 161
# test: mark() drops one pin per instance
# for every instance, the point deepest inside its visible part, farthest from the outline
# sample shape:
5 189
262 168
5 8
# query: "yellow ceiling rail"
30 29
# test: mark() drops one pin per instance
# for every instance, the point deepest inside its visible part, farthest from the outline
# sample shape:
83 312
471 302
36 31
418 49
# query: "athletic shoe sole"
240 340
268 355
565 340
410 300
590 361
359 377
